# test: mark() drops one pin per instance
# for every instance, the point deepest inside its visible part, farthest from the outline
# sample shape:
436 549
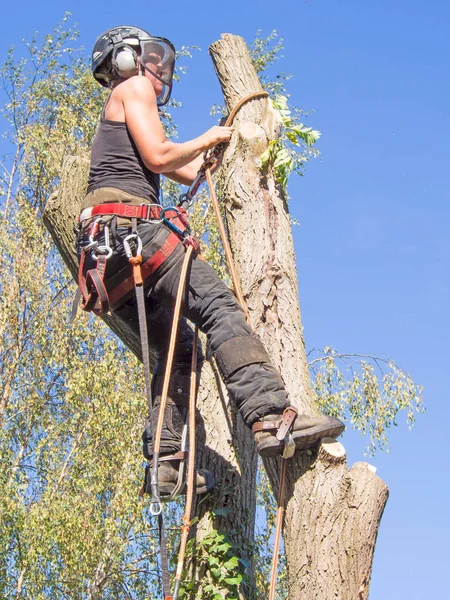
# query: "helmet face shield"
154 54
158 57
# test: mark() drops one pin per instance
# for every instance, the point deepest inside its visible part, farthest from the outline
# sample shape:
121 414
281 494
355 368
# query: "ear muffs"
125 61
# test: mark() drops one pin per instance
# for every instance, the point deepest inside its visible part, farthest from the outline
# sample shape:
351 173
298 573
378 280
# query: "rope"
191 471
136 262
155 507
279 523
238 105
223 235
226 245
170 354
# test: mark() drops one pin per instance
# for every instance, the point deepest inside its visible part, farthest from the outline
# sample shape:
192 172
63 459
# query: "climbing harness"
98 296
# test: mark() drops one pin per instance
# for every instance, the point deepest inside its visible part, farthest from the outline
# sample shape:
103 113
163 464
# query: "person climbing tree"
121 215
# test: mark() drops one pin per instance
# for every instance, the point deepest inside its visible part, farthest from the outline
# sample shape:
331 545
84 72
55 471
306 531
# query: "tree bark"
332 513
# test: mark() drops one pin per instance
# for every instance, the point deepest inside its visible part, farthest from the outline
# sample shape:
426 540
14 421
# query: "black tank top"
116 163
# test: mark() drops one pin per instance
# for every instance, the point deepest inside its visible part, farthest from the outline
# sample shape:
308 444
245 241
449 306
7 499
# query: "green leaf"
233 580
232 563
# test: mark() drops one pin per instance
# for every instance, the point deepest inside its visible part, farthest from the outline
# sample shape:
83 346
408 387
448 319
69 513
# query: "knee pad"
239 352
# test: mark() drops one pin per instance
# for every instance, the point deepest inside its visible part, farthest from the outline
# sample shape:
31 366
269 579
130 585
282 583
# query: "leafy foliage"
284 153
71 407
370 391
220 562
264 53
289 152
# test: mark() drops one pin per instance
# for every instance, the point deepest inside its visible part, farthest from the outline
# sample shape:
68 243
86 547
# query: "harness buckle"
102 249
149 208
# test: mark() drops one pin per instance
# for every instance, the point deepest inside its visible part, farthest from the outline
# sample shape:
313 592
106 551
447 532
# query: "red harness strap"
120 209
97 295
92 287
147 268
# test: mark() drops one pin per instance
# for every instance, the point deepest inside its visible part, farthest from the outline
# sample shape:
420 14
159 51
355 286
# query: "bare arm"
159 154
187 174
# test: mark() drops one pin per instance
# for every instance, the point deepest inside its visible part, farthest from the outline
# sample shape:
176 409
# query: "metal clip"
149 210
104 248
155 508
126 245
289 446
193 189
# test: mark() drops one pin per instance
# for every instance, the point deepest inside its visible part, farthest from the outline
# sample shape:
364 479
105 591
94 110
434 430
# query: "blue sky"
373 246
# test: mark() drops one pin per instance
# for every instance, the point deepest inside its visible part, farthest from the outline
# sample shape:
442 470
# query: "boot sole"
304 439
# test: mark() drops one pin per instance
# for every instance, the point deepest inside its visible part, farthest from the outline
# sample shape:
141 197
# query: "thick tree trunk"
332 513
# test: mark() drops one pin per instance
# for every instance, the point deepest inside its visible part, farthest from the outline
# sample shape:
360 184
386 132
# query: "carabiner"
104 248
126 245
199 179
155 508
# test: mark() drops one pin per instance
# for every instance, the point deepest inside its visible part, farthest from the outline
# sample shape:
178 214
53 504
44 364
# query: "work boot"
169 475
171 466
306 431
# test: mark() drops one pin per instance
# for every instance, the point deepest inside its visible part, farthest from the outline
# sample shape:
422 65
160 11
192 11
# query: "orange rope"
225 242
191 466
173 337
279 523
241 102
226 245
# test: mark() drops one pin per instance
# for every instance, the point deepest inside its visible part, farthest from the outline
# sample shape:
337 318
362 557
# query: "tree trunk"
332 513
